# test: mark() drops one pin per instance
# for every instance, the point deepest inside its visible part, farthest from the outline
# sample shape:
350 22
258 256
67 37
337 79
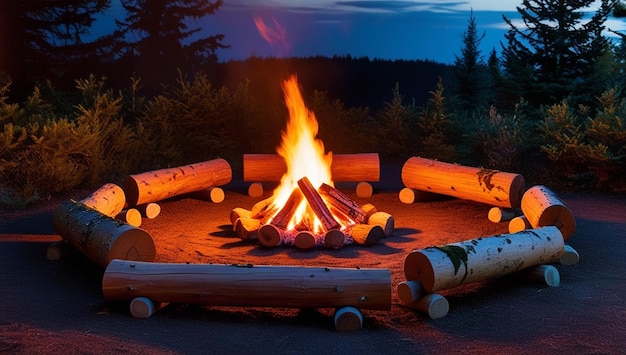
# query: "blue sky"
384 29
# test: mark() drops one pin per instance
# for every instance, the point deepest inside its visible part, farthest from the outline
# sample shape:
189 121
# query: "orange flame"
274 36
303 153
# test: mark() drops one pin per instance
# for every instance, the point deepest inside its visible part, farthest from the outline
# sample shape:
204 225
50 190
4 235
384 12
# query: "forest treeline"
76 113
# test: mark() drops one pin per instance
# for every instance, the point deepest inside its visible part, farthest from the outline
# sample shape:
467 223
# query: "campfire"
306 210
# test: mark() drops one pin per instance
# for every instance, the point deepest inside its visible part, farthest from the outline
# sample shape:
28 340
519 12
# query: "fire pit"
306 210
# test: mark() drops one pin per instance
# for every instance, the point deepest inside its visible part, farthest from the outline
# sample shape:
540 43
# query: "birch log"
542 207
344 167
157 185
448 266
99 237
248 286
109 200
476 184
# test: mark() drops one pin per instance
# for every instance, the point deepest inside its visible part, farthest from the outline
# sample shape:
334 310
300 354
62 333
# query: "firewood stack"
343 221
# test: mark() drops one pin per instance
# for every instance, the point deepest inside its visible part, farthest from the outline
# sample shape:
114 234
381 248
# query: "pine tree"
161 27
551 56
43 39
468 67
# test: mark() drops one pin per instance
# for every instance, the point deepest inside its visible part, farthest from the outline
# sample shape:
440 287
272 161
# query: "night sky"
407 29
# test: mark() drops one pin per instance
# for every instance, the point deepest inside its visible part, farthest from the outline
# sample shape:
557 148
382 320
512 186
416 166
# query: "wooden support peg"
364 189
255 189
348 319
570 257
143 307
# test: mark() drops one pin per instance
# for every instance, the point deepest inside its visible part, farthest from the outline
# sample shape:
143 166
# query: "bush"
588 152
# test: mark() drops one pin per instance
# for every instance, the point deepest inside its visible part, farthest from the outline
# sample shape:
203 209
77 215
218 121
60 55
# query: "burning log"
282 218
369 210
261 208
500 214
366 234
100 237
109 200
131 216
237 213
345 167
161 184
384 220
476 184
305 240
448 266
543 208
413 295
262 286
317 204
519 224
247 228
343 203
334 239
270 236
149 210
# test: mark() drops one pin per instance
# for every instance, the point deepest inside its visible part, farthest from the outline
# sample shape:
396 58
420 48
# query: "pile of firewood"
268 223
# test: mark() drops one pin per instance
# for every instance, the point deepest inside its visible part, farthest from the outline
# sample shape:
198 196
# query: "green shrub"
502 141
588 152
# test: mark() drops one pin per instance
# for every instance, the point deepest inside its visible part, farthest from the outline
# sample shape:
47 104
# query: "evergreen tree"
552 55
163 39
43 39
468 68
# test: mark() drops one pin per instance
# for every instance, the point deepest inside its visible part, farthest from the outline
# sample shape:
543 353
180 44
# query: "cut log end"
365 234
133 244
270 236
304 240
364 189
255 189
143 307
435 305
131 216
149 210
407 196
334 239
570 256
417 266
384 220
348 319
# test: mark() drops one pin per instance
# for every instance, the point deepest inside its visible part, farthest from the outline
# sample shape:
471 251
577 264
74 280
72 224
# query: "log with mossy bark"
448 266
344 167
248 286
157 185
476 184
99 237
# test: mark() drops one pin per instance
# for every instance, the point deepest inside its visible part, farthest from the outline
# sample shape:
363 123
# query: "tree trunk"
475 184
345 167
543 208
109 200
157 185
101 238
248 286
444 267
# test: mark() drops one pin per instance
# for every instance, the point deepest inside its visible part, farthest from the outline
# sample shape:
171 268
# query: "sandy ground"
57 306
